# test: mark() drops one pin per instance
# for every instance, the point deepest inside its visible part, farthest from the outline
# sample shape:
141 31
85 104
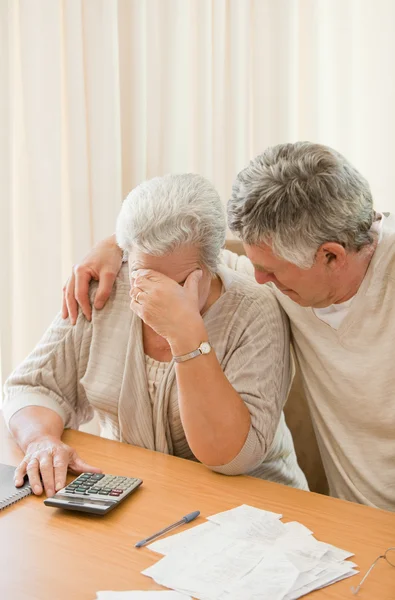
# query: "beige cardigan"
100 366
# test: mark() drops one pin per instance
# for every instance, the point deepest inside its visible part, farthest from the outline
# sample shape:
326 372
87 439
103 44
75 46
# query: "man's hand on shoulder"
102 264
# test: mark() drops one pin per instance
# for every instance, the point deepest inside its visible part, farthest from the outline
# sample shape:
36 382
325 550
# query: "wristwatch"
204 348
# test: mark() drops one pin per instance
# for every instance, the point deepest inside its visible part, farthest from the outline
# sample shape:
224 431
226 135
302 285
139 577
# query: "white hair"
164 213
299 196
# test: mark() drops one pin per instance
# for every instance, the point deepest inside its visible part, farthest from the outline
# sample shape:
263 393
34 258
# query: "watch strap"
188 356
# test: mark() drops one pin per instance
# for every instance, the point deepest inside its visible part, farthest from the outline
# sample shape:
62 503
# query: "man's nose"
262 277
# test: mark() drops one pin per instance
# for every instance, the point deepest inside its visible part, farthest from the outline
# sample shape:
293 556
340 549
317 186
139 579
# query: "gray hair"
299 196
164 213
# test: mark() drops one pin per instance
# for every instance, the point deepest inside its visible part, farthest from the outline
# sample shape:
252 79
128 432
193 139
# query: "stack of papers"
247 553
141 595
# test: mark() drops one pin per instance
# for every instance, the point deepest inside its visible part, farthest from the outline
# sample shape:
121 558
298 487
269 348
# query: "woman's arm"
101 264
229 418
41 398
37 431
215 419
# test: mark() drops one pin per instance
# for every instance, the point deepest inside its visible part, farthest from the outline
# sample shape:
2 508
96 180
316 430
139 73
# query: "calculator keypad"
99 485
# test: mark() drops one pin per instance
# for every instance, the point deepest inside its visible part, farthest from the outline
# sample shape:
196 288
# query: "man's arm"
102 264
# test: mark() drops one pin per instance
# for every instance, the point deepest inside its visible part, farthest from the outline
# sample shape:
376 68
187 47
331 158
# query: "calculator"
94 493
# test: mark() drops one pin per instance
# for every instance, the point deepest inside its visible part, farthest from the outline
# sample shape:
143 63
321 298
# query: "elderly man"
306 218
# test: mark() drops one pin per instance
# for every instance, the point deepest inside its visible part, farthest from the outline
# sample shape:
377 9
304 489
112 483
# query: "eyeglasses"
389 556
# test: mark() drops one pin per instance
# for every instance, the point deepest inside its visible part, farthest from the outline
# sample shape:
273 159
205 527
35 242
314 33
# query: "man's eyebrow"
260 268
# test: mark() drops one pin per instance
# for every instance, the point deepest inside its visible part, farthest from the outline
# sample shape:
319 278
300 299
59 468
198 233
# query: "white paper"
326 577
183 541
336 554
242 514
272 578
142 595
247 553
207 575
264 530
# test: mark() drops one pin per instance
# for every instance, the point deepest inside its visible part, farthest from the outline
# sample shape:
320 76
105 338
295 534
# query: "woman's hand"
172 310
50 457
101 264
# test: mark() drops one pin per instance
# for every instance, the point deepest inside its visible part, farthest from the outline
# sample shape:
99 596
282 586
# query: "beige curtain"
97 95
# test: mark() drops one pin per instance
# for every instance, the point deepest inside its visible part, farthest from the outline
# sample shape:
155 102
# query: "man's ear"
332 255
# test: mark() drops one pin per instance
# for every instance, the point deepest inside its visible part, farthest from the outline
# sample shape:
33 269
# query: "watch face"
205 347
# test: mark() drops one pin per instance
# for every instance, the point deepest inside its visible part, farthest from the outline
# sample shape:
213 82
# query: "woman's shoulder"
245 303
243 285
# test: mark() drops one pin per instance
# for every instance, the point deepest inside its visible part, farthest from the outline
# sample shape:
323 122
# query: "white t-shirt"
335 314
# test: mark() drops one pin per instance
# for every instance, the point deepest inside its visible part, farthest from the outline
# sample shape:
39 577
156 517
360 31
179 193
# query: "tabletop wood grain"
49 554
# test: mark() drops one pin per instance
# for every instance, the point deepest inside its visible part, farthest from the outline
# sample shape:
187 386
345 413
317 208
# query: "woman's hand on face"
49 457
165 305
101 264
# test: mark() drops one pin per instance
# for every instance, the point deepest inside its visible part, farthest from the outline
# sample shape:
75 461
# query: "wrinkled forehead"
177 264
262 256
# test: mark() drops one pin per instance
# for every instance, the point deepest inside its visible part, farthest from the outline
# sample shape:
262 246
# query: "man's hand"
167 307
48 456
101 264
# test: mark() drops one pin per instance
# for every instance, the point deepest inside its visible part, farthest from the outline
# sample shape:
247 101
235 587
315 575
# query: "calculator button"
118 490
105 492
116 494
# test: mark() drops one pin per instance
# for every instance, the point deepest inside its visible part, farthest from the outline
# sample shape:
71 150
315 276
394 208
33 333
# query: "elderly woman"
186 358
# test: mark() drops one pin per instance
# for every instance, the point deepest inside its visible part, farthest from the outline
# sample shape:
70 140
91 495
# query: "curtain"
98 95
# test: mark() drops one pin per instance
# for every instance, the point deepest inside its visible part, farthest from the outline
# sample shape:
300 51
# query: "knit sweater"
99 366
348 377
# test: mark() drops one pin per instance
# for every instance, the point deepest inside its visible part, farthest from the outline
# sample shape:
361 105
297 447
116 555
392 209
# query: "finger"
137 308
20 473
77 465
143 273
47 472
137 295
65 312
60 464
106 283
145 278
82 280
191 284
33 473
71 302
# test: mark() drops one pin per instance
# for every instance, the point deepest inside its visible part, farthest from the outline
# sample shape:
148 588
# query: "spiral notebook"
8 492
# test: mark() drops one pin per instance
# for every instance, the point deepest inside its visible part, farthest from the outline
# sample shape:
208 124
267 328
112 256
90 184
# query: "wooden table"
48 554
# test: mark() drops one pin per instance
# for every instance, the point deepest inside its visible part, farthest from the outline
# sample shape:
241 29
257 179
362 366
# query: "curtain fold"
98 95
